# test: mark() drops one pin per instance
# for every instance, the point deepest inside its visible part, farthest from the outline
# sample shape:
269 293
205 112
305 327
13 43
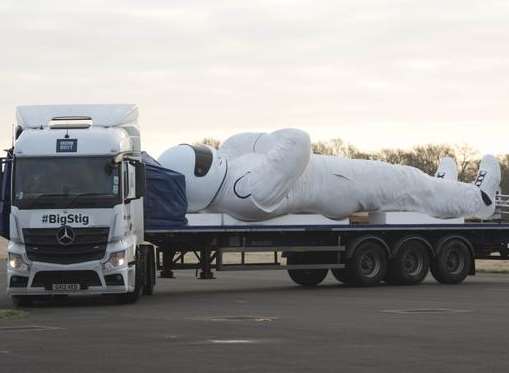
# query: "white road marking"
232 341
29 328
427 311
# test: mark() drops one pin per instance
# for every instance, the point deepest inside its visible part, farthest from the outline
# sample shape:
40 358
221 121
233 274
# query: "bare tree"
504 165
467 159
322 148
427 157
394 156
340 148
215 143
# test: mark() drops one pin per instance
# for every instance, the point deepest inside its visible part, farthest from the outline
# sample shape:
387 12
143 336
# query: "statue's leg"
378 186
403 188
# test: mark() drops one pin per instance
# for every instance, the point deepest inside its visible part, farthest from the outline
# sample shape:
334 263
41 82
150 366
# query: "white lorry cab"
76 203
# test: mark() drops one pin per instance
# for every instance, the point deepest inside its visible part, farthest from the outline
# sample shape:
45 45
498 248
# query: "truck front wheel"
139 280
22 300
150 272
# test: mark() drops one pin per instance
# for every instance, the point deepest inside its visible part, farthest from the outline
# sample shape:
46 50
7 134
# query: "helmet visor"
204 158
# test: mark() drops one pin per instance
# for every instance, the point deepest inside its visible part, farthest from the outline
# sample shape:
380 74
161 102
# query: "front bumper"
90 276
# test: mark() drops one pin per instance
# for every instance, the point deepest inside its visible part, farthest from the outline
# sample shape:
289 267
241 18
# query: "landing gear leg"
166 272
206 273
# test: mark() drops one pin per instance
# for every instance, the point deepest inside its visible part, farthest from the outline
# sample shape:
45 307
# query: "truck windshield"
84 182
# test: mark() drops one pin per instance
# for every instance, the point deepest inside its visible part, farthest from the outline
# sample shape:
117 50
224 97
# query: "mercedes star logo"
65 235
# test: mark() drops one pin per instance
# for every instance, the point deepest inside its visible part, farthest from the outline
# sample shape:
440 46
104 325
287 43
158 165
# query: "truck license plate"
66 287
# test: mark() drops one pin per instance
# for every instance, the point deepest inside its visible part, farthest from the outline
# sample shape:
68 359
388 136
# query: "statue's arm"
269 181
240 144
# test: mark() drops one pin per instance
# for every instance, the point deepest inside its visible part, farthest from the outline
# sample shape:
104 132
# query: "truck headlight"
116 260
17 263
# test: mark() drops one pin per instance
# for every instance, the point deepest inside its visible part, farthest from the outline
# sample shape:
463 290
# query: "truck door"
131 202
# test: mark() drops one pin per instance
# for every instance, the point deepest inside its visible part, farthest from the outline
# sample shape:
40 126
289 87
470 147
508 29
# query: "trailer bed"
205 246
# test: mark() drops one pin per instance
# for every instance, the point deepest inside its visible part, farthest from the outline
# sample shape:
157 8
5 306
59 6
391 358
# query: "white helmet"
203 169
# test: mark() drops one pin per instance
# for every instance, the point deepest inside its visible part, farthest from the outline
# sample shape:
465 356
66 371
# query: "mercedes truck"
75 203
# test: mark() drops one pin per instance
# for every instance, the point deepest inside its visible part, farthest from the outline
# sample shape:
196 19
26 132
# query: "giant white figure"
257 176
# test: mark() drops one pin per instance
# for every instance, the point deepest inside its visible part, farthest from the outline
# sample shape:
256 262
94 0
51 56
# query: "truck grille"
46 279
42 245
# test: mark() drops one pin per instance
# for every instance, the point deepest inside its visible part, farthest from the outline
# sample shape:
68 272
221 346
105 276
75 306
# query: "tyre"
139 280
367 266
150 272
22 300
342 275
410 265
452 263
305 277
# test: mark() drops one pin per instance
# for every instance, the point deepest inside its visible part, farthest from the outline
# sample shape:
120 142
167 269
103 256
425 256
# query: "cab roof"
102 115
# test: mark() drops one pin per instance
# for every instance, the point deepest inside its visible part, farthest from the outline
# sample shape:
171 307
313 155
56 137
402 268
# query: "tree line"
424 157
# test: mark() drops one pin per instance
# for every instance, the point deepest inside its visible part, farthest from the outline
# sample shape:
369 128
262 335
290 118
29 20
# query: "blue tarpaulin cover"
5 194
165 202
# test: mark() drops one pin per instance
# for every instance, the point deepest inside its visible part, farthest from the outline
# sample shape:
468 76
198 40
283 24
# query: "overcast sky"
375 73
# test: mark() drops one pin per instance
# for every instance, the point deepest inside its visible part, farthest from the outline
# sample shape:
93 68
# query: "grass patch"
493 270
11 314
492 266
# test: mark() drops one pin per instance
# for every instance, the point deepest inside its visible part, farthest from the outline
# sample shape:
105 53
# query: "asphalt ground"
262 322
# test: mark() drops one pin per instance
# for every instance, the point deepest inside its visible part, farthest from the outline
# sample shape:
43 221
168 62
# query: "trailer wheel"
367 266
452 263
342 275
305 277
411 264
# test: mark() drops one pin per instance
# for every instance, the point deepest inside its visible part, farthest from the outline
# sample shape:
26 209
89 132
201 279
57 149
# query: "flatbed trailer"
362 254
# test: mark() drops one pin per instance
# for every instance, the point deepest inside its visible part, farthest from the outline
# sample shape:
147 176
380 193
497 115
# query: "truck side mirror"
140 180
